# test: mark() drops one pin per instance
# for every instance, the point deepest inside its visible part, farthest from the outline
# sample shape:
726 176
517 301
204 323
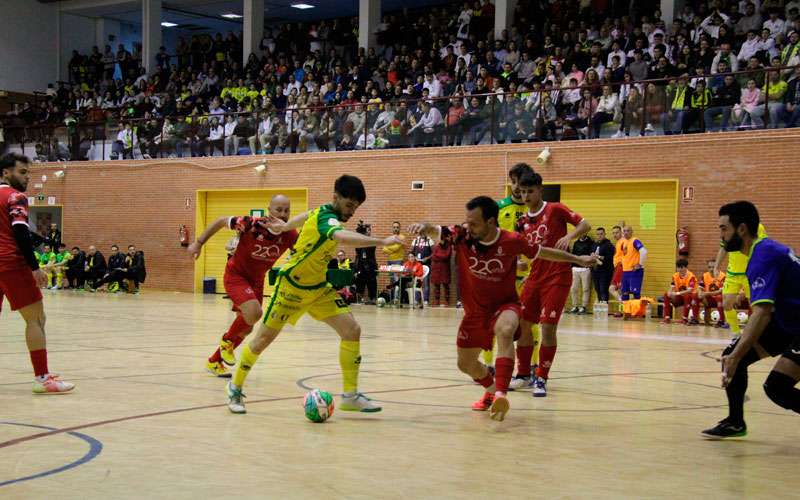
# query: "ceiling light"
231 16
168 24
302 6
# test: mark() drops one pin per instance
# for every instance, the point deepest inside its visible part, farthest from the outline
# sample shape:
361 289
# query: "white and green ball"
318 405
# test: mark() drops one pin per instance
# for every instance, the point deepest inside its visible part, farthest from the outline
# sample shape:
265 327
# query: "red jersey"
487 272
545 228
13 210
258 247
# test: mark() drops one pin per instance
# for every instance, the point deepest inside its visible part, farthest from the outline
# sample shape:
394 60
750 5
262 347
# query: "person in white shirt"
615 51
266 134
428 128
725 54
126 141
606 108
774 24
767 43
216 136
432 84
230 139
749 48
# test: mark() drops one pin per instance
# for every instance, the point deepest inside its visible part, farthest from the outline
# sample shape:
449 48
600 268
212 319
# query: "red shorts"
20 288
241 289
616 280
477 330
543 302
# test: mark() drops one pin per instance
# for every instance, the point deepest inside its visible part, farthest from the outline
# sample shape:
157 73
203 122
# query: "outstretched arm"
194 248
279 226
359 240
556 255
425 229
582 228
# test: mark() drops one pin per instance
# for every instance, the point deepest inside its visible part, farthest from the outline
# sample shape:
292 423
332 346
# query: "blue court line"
95 447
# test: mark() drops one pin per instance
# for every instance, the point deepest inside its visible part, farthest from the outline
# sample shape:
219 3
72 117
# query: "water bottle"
648 311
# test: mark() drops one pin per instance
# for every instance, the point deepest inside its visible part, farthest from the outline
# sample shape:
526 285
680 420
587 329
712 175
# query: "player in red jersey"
547 287
258 250
20 276
487 268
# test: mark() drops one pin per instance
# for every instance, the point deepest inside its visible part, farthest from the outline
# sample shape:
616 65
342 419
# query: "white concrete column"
369 16
668 10
151 32
253 29
503 16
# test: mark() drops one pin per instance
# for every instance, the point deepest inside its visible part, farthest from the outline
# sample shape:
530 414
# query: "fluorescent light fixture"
302 6
231 16
168 24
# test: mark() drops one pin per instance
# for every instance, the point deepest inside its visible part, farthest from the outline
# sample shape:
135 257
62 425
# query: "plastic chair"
416 286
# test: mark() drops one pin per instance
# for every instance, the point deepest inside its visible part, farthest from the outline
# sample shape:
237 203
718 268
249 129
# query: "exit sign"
39 197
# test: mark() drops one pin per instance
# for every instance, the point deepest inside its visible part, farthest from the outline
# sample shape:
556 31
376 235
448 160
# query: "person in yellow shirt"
736 284
395 253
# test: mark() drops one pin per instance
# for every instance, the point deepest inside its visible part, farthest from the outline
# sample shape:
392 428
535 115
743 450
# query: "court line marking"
95 447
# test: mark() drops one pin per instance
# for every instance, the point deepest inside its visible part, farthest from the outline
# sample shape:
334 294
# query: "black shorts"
778 342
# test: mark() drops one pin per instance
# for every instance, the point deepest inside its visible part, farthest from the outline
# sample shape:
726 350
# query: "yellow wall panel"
213 204
607 203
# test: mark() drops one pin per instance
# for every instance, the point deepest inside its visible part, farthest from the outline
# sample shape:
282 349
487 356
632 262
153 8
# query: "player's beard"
734 244
19 185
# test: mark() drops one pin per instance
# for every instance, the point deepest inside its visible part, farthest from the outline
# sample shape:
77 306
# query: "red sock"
236 333
546 355
524 356
39 362
504 367
486 381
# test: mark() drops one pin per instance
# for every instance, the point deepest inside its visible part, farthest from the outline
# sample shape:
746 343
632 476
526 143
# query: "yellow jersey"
510 211
315 247
737 261
396 251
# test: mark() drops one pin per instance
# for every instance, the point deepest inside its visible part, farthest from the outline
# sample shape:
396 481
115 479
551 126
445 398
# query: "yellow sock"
246 362
350 361
537 340
732 319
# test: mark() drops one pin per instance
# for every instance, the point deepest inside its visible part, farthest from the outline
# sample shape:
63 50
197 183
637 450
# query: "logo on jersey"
333 221
266 252
758 283
484 268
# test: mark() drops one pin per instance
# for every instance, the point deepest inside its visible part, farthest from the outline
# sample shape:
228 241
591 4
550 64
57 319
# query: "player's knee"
251 316
466 365
353 332
505 330
779 388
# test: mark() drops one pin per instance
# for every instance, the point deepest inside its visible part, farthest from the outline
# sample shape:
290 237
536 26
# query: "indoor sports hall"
263 263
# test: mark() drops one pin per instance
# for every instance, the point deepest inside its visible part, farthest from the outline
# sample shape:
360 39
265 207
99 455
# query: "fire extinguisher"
682 236
183 234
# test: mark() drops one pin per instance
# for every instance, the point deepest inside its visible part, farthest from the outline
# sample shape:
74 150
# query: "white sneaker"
540 387
51 384
520 383
358 402
649 128
619 135
235 398
54 287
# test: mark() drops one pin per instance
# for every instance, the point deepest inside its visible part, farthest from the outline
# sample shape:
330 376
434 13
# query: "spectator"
682 294
606 109
791 114
722 102
422 248
412 270
771 99
230 137
440 273
748 105
366 268
53 237
601 275
581 289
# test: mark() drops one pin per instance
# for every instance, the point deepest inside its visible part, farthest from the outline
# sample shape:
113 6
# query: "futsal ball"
702 315
715 316
380 302
318 405
742 316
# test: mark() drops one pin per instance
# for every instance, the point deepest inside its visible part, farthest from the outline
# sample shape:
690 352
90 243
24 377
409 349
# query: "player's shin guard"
246 363
504 368
732 319
780 389
350 361
547 353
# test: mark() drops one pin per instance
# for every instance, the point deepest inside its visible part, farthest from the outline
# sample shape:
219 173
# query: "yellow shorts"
520 284
289 303
735 283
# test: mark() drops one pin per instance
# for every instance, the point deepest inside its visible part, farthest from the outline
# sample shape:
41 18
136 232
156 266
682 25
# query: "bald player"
258 250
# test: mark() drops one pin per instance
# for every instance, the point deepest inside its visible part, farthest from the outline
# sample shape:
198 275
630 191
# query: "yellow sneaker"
218 370
226 351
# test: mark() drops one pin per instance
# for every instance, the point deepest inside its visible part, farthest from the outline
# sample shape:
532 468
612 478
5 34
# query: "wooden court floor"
146 421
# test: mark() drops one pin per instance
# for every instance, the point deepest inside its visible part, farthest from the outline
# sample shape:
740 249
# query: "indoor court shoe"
520 383
51 384
235 398
574 310
666 321
217 369
484 403
725 429
358 402
226 352
581 310
540 387
499 408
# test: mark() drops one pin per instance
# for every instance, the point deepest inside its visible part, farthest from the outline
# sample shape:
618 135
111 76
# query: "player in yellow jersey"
736 283
512 208
302 287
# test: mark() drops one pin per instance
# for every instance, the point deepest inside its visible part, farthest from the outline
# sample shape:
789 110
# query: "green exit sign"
40 197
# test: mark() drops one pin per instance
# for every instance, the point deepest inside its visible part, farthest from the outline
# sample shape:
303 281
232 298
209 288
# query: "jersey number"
266 252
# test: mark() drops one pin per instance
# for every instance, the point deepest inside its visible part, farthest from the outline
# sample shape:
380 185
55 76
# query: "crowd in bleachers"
563 70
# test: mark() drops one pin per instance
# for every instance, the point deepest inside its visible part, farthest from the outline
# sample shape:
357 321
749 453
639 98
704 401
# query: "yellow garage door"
651 207
214 204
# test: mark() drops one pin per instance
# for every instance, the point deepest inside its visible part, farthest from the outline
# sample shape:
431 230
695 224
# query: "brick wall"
144 202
